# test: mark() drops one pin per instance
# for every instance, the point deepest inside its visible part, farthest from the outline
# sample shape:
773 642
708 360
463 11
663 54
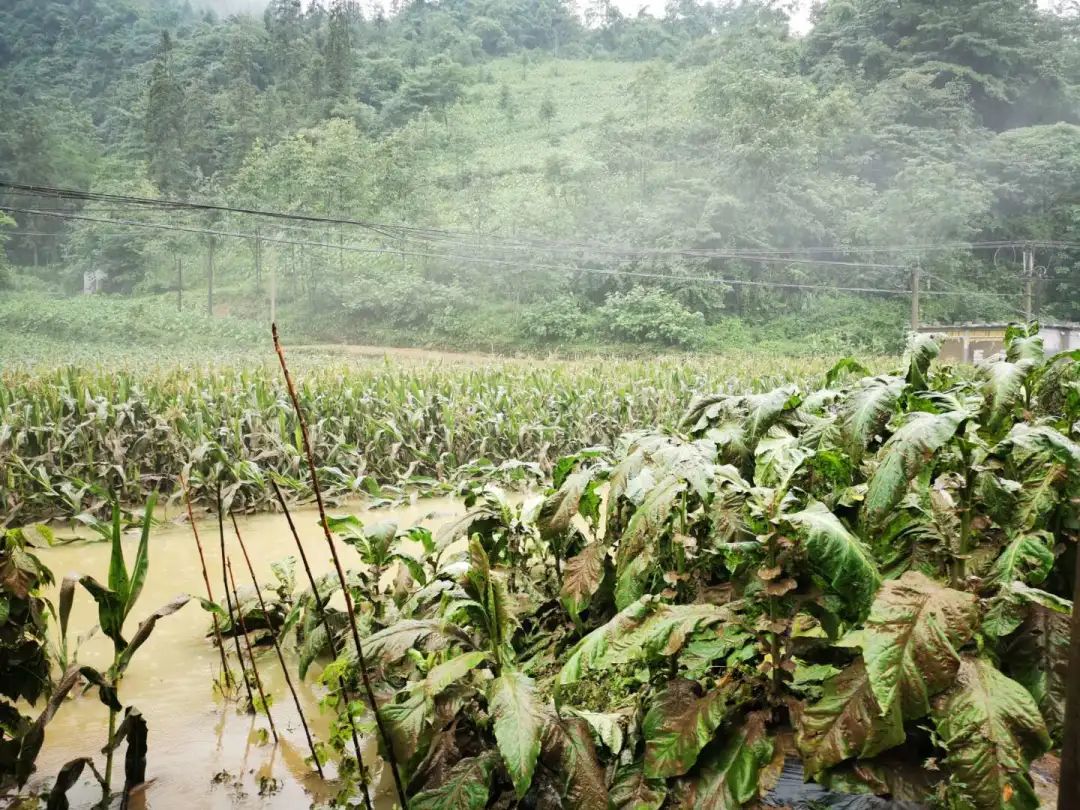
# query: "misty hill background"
520 131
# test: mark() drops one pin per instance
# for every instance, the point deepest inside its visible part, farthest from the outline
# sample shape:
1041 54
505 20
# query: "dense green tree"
165 124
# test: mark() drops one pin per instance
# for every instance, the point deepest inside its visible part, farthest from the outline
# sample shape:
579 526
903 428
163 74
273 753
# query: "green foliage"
642 315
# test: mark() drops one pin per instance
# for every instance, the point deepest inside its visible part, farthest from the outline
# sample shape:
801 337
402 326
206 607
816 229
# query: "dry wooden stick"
209 591
388 743
320 608
277 648
229 603
251 653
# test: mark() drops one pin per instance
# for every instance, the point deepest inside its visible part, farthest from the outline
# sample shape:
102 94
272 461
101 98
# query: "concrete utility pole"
1029 282
179 285
273 293
210 278
916 281
258 260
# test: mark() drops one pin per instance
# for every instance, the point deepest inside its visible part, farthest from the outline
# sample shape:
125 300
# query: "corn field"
70 436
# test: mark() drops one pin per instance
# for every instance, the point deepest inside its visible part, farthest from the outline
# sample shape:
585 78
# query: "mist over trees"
523 127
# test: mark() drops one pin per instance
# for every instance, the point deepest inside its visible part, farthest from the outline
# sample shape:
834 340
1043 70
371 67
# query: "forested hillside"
536 176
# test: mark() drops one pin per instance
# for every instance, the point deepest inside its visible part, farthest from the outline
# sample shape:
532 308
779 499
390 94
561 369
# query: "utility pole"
273 293
179 285
916 281
258 260
1029 282
1069 781
210 278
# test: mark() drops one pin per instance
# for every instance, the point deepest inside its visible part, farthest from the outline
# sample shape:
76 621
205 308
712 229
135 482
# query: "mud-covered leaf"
911 639
1038 658
606 727
66 779
443 675
558 509
632 790
392 643
406 720
519 724
730 771
1012 604
680 723
920 352
568 750
847 722
1027 558
646 627
867 411
646 525
906 453
465 787
991 729
582 576
836 554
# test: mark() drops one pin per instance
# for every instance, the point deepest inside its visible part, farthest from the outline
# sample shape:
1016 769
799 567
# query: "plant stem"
277 648
388 743
106 786
226 672
251 654
320 608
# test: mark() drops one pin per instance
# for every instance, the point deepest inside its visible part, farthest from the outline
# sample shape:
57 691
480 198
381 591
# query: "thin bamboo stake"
277 648
388 743
233 616
209 591
251 653
320 608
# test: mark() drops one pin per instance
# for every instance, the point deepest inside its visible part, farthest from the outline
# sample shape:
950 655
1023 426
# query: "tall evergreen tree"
164 122
338 54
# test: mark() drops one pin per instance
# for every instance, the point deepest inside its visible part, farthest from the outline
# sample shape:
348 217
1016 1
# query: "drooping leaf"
607 727
66 779
392 643
559 508
106 690
921 350
632 790
646 525
777 459
519 724
407 722
910 641
443 675
582 576
568 749
908 450
1038 658
642 628
110 609
146 627
867 411
991 730
765 410
1027 558
680 723
1003 389
847 722
1011 605
1044 443
836 554
730 775
843 367
465 788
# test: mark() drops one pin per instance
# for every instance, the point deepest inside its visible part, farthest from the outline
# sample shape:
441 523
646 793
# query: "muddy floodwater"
202 752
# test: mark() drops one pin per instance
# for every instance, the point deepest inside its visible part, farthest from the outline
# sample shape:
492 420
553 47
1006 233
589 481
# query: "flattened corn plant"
73 438
870 577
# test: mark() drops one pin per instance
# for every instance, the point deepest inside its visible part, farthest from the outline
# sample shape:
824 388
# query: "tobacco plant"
871 576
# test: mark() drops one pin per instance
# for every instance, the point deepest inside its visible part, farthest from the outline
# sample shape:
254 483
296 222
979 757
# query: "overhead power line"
481 259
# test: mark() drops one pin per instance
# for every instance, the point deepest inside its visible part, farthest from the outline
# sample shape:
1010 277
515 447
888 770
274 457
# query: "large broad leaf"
836 554
633 791
465 787
519 725
777 459
919 354
1038 658
559 508
910 641
646 627
1003 389
646 526
867 411
991 729
406 720
606 727
582 576
730 775
765 410
909 450
392 643
679 724
1042 443
847 722
443 675
1012 604
568 750
1028 558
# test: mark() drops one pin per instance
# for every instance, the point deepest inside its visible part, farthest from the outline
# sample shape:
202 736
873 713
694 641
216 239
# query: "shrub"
652 315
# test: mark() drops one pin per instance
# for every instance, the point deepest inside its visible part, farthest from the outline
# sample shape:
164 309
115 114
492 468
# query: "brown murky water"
202 752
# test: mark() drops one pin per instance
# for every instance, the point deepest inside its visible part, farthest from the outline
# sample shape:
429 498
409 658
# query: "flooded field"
203 752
